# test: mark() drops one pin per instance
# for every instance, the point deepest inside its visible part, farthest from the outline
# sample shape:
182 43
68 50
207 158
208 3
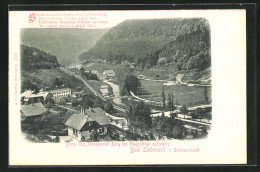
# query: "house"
109 73
28 96
104 92
81 125
179 77
34 109
59 92
104 86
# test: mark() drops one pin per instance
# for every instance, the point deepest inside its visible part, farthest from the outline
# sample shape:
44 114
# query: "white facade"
63 92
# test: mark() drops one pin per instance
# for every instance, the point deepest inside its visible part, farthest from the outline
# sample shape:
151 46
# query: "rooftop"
98 115
33 109
77 121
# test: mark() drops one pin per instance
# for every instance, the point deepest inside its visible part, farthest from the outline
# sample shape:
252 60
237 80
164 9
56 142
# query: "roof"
108 71
95 71
77 121
98 115
104 90
59 89
27 93
104 86
179 75
33 109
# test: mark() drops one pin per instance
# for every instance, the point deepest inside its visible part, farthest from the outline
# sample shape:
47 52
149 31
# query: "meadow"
190 96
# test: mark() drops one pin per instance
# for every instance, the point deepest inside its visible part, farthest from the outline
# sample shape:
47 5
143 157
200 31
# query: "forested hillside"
185 42
34 58
65 43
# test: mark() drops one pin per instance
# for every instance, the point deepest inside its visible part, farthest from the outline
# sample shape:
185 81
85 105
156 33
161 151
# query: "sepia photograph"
146 79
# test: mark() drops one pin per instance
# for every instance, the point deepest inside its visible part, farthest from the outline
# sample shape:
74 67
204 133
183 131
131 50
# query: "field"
183 94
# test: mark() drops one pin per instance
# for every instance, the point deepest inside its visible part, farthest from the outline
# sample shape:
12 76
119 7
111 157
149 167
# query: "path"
116 91
66 108
93 90
89 64
168 81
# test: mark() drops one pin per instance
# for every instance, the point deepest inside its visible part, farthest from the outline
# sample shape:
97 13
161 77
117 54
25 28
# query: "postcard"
130 87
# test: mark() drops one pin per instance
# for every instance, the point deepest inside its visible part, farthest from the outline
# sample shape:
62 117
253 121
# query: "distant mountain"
34 58
152 42
65 43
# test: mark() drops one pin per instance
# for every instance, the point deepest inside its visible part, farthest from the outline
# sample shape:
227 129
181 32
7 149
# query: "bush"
109 107
62 101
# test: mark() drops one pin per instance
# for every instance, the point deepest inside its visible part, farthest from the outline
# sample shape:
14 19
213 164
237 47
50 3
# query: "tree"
109 107
28 85
178 130
184 110
98 102
130 83
199 113
139 116
163 98
57 82
81 71
62 101
87 100
206 95
121 71
49 101
94 135
170 103
57 139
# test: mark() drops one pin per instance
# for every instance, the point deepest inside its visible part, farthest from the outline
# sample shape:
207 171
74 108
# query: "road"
171 82
66 108
89 64
94 91
116 91
195 122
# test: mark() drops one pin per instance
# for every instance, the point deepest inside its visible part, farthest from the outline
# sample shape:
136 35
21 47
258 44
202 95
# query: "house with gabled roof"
82 124
29 96
34 109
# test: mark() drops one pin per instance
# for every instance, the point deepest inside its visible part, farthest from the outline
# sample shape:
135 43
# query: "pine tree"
163 99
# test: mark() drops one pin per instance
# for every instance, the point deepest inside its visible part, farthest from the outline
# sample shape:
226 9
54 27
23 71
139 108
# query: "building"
28 96
109 73
34 109
104 92
179 78
81 125
61 92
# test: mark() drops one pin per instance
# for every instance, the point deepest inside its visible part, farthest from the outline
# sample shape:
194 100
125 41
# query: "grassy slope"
182 94
45 77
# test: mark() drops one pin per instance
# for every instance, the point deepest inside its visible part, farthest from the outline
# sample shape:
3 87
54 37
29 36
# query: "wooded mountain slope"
34 58
151 42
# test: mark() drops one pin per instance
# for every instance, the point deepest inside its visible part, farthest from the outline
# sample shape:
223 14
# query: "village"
108 120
